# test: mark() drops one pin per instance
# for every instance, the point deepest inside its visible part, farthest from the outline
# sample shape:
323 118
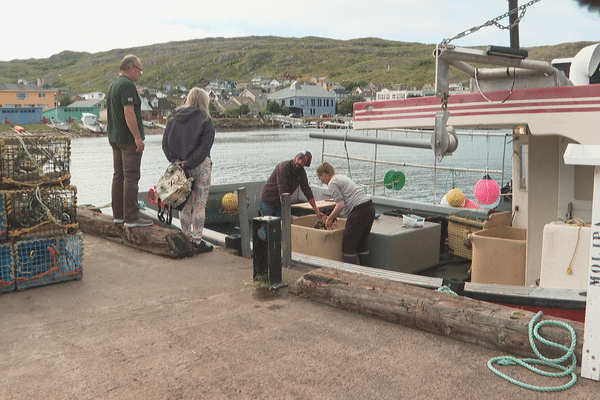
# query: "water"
251 156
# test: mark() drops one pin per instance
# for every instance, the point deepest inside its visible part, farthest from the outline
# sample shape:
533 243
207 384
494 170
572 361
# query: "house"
260 80
75 110
387 94
93 96
340 94
155 108
13 95
224 105
258 97
368 95
312 100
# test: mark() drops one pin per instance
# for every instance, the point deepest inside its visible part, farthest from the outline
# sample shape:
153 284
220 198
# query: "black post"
514 31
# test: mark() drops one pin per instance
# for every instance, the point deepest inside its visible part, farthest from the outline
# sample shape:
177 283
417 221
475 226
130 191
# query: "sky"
42 28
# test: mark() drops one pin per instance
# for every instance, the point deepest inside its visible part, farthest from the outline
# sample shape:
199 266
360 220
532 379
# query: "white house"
313 100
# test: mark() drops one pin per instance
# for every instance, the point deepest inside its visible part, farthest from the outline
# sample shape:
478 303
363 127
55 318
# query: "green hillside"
240 59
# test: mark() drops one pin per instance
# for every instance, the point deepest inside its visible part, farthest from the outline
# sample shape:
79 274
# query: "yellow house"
13 95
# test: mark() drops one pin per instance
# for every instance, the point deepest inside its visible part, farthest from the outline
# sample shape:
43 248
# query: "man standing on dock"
285 178
126 137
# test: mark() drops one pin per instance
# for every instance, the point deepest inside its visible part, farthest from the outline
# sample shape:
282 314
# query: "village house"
75 110
155 108
310 100
258 97
13 95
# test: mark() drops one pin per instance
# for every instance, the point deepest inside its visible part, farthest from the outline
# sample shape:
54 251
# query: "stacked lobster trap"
39 238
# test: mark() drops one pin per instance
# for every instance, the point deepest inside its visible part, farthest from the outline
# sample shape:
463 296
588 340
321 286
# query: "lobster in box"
42 261
43 211
7 269
34 161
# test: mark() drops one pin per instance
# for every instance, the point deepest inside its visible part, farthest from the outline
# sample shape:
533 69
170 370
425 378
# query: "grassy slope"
241 59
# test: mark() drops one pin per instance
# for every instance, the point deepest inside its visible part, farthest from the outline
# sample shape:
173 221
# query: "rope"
580 223
446 289
553 363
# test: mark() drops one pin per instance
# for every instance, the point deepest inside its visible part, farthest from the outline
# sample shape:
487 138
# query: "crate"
7 270
462 224
43 211
34 161
3 223
42 261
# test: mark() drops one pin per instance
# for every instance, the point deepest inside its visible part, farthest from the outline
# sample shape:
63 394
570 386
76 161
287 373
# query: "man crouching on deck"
285 178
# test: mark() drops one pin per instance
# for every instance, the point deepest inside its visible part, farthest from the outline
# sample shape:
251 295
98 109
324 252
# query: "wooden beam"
166 242
473 321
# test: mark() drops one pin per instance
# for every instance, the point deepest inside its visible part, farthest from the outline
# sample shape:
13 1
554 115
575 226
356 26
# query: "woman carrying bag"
187 141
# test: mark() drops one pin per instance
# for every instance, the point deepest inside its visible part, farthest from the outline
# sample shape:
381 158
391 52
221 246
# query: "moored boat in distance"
59 125
91 123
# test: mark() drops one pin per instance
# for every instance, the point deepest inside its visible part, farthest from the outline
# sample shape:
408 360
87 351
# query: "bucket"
499 256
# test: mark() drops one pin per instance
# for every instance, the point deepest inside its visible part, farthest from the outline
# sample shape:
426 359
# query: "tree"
347 107
65 100
275 108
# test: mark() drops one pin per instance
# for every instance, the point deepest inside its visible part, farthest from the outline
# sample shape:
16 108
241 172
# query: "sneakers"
118 221
140 222
202 247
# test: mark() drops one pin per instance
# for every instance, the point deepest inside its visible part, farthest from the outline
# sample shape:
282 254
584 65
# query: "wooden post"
244 222
578 154
286 230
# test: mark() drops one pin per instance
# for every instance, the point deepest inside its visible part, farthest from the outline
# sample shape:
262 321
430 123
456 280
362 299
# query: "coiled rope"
553 363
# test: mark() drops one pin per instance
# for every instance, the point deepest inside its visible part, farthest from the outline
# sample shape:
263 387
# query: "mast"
514 30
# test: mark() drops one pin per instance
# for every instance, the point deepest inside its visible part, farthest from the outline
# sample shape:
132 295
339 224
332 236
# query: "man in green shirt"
126 137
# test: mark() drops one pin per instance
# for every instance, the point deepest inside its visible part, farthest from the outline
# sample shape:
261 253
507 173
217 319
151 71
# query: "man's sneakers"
140 222
202 247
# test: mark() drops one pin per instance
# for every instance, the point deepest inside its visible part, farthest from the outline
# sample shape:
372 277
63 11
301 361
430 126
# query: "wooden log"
166 242
473 321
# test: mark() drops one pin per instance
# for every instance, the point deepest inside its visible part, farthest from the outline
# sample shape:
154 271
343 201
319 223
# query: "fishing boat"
59 125
91 123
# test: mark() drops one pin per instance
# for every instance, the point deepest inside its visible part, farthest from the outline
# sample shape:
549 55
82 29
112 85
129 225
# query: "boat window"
369 108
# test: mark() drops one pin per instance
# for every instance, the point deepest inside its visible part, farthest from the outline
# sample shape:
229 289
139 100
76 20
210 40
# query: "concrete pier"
140 326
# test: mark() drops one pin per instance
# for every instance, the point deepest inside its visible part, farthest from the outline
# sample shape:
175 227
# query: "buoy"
229 202
455 197
394 179
486 190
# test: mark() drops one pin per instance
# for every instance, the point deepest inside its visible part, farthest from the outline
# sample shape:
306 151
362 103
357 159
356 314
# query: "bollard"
266 242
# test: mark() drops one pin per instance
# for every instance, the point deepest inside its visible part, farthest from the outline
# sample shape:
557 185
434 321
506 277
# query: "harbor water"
249 156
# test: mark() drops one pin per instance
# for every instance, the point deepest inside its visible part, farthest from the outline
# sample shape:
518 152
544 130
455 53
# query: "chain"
495 22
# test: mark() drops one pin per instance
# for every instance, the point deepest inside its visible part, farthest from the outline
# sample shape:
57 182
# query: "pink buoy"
486 190
470 204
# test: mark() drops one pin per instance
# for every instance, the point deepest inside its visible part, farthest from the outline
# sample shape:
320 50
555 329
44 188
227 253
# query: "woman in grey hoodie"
187 140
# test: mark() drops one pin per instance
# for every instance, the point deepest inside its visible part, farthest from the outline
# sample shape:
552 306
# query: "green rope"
553 363
447 290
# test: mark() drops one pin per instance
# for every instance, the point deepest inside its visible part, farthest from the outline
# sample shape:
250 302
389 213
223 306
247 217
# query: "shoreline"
221 124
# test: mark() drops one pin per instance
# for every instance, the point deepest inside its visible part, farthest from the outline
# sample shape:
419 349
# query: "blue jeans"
267 210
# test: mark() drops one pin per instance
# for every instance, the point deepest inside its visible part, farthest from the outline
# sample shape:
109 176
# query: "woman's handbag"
173 188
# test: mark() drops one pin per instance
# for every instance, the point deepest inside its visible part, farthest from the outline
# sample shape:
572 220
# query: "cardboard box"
499 256
317 242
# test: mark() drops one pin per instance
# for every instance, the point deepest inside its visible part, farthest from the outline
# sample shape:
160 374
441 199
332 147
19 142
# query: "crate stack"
39 238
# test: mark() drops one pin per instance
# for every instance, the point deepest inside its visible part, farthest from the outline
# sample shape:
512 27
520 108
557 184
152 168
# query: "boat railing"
376 186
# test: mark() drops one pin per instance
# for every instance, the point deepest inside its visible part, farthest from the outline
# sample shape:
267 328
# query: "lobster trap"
42 261
41 211
3 223
34 161
7 270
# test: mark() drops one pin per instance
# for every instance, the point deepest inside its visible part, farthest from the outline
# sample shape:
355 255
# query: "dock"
138 325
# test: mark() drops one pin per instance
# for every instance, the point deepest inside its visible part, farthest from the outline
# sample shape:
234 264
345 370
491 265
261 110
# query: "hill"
241 59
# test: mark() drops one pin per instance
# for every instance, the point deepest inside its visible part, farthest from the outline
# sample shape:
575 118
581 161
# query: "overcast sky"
39 29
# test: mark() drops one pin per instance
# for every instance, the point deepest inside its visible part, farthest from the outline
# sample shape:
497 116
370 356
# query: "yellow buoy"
455 197
229 202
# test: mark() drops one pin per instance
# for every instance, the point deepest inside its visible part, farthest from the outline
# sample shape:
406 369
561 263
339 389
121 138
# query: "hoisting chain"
495 22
